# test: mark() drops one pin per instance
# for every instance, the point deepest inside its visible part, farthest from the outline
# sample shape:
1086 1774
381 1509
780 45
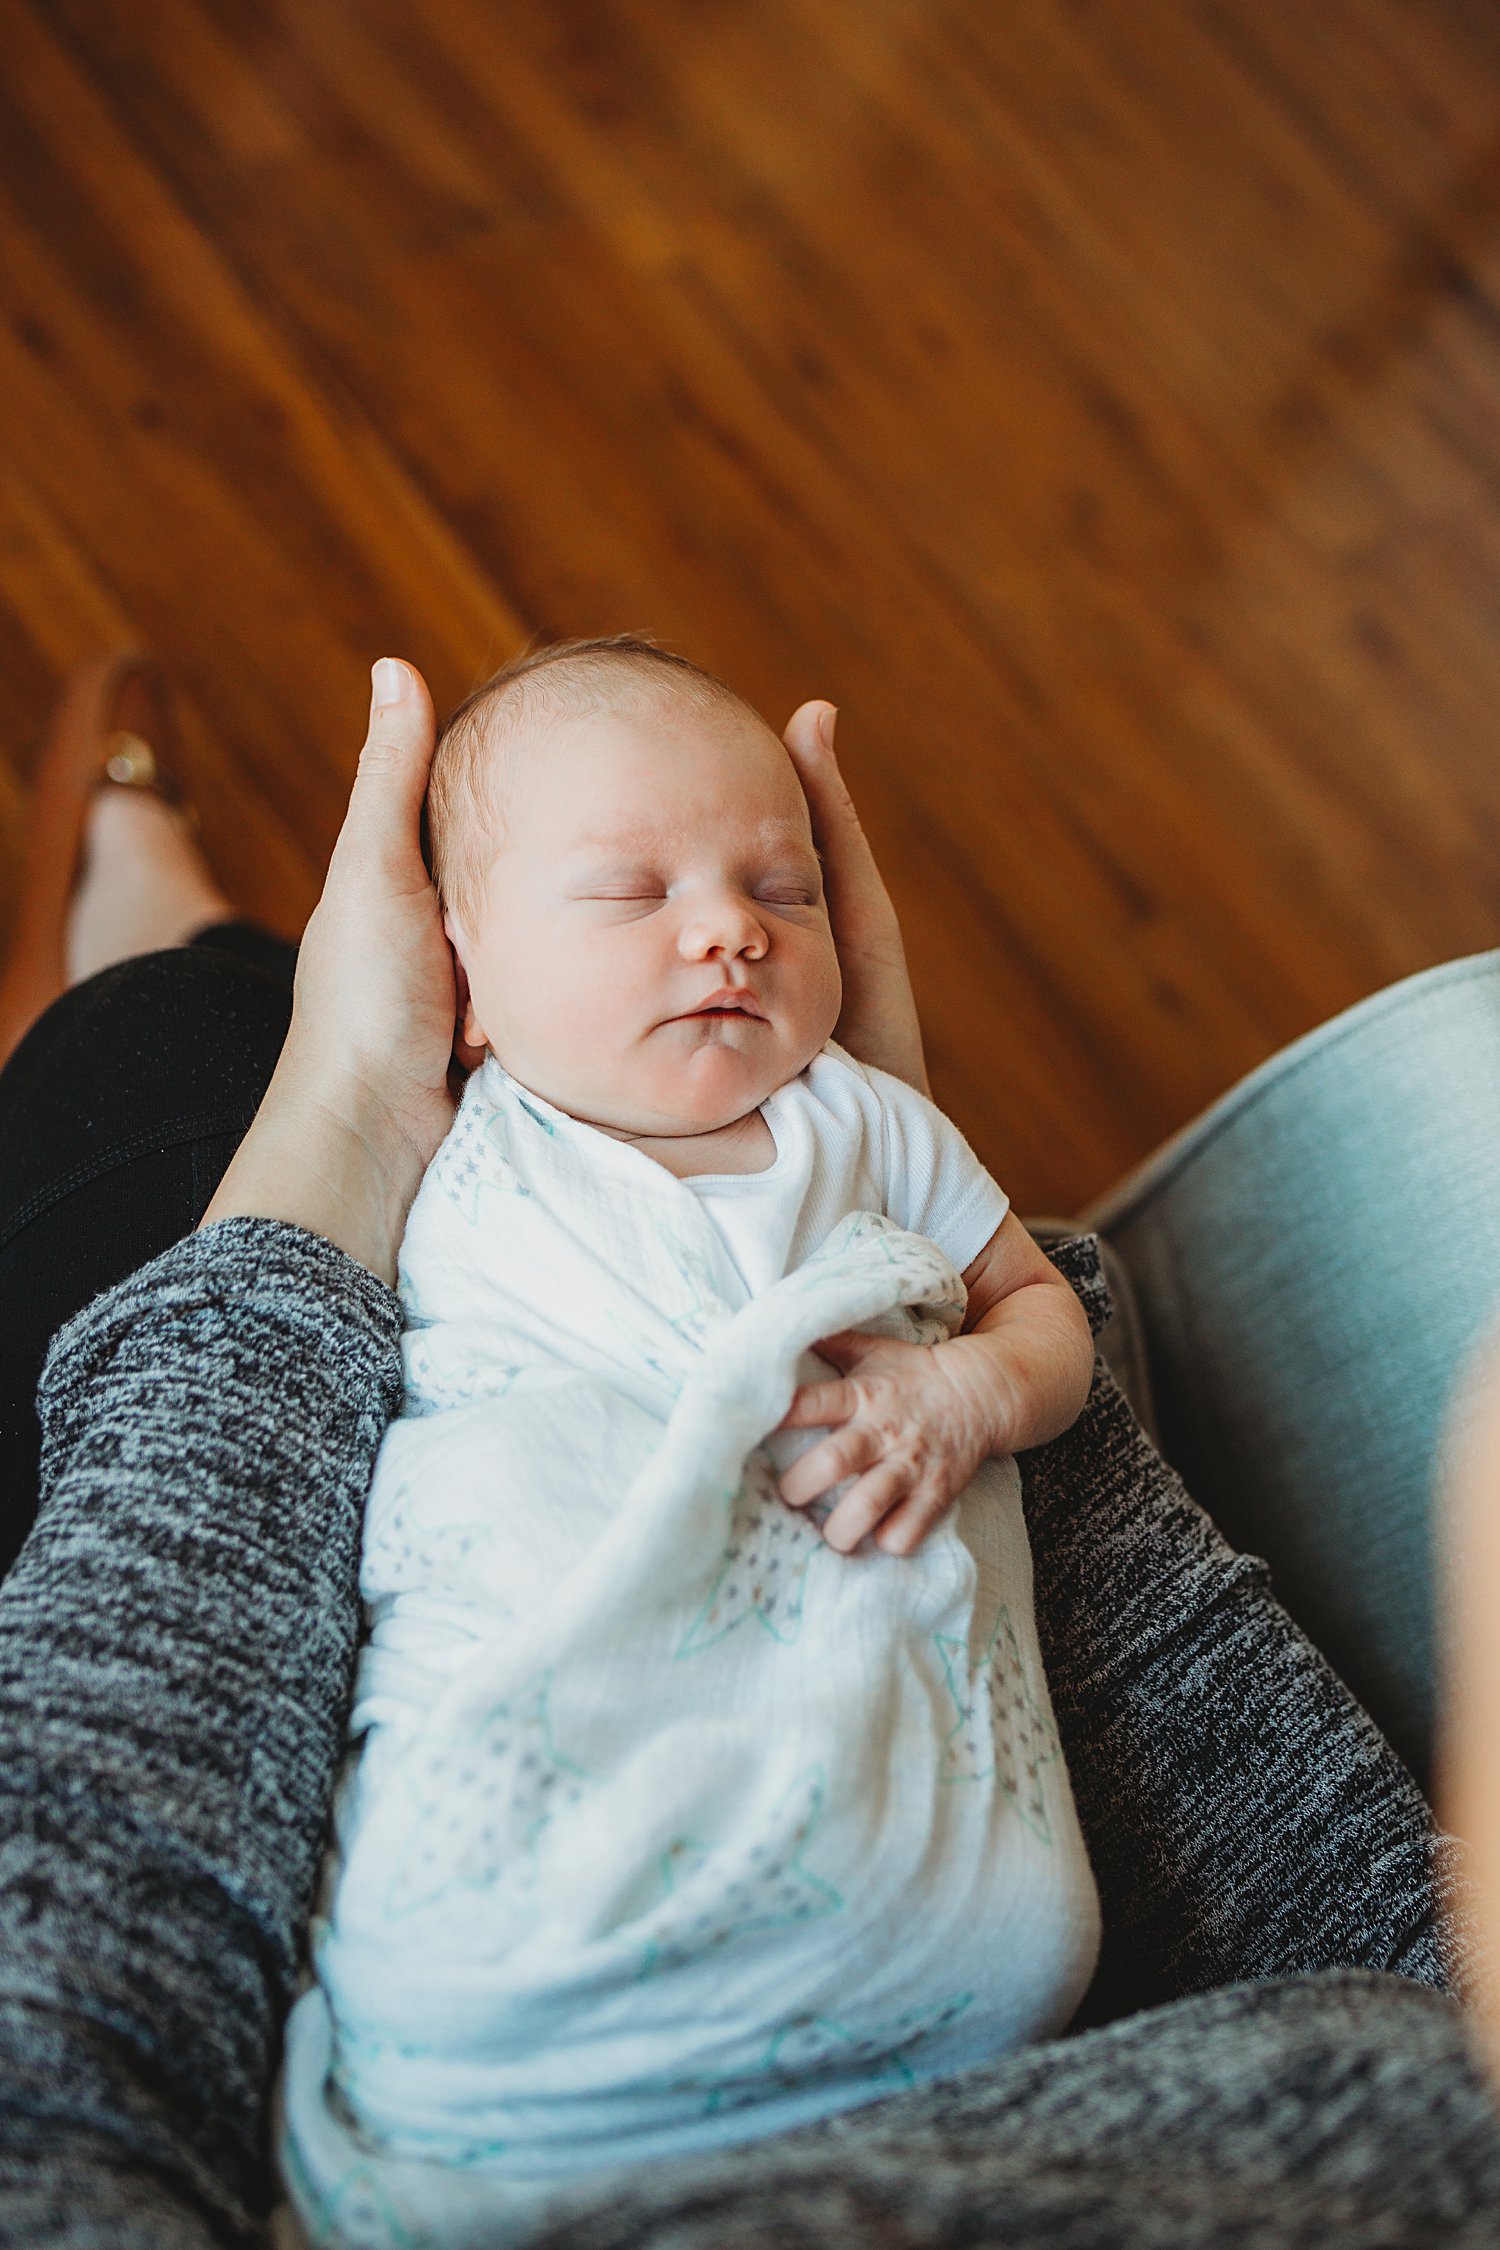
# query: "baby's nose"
730 927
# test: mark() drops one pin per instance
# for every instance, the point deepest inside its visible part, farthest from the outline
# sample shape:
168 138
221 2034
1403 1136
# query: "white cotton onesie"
668 1826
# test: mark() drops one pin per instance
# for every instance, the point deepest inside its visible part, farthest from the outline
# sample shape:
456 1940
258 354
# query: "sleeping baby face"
646 940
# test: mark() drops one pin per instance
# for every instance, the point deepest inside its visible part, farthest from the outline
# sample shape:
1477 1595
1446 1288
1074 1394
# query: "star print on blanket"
360 2212
809 2046
1001 1728
480 1802
710 1906
410 1543
472 1164
762 1578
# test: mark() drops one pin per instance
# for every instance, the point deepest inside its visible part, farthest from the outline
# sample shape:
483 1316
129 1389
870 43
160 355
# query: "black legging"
119 1112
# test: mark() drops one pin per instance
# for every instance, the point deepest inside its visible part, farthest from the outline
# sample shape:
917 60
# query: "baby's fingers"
865 1505
908 1524
821 1467
817 1406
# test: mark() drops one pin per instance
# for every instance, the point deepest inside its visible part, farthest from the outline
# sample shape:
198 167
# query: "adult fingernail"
390 681
826 718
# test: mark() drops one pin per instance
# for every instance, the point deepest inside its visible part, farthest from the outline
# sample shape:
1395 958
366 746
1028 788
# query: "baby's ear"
471 1044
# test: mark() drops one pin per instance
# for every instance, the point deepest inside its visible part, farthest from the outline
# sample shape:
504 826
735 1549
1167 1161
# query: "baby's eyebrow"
632 836
646 841
608 852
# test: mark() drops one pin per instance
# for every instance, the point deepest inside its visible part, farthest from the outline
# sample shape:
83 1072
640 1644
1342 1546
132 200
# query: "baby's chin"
698 1093
681 1080
680 1110
716 1084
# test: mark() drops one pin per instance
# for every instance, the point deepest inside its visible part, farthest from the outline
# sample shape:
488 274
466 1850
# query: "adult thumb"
808 733
390 782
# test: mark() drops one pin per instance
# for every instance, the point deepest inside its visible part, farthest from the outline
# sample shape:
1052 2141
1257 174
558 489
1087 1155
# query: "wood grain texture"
1100 402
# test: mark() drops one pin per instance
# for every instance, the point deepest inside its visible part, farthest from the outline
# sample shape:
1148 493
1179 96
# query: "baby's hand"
910 1422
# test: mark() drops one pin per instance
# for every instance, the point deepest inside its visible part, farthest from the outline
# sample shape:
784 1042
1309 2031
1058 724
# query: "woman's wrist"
326 1153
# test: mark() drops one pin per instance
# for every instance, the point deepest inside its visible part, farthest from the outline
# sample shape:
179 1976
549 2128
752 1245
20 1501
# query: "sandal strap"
131 762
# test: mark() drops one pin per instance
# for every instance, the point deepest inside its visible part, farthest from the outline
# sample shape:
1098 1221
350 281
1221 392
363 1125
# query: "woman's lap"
116 1119
118 1115
1316 2114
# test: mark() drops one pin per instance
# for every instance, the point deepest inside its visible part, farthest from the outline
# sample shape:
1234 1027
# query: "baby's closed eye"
633 890
791 886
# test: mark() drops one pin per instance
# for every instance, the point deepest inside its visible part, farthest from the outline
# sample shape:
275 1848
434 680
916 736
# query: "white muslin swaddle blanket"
666 1825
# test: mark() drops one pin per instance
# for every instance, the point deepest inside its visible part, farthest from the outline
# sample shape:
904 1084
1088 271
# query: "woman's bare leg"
143 884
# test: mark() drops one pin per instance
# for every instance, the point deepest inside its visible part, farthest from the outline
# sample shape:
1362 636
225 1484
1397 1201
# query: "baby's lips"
736 999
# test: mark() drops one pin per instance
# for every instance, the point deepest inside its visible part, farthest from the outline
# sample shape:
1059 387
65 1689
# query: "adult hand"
361 1096
879 1020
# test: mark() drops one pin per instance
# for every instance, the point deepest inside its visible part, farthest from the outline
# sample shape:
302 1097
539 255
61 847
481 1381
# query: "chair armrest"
1313 1260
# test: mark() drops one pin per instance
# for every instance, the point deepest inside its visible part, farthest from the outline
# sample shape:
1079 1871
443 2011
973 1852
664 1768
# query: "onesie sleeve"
934 1183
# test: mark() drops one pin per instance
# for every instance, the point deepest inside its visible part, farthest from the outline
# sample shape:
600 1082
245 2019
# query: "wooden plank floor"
1100 402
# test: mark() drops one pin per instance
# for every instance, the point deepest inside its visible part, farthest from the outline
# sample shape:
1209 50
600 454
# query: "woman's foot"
142 884
111 869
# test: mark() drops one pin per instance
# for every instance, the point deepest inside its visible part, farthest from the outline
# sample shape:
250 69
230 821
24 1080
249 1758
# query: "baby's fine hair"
563 680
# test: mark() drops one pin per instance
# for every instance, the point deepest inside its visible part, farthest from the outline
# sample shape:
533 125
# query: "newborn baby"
704 1778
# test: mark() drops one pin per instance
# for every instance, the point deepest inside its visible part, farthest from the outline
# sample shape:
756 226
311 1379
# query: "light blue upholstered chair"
1309 1265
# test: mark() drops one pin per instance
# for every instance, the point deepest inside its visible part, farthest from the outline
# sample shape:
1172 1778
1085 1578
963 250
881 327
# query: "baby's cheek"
587 996
818 990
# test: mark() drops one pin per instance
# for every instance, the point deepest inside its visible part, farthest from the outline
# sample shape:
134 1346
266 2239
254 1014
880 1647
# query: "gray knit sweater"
176 1647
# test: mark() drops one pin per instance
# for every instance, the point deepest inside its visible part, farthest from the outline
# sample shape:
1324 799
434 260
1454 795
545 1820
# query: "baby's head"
627 871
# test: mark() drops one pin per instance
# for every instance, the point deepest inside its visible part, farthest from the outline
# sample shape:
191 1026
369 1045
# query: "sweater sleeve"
176 1649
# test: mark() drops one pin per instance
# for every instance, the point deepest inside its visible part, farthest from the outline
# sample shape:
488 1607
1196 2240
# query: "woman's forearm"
176 1645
